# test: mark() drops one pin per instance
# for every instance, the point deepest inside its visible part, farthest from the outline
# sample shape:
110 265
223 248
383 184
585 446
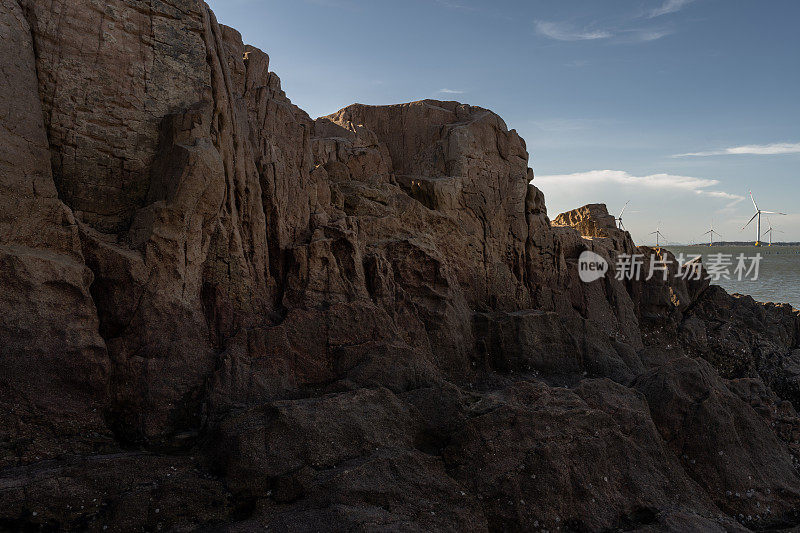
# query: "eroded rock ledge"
220 313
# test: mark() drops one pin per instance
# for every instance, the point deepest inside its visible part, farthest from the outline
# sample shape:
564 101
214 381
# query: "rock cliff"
219 313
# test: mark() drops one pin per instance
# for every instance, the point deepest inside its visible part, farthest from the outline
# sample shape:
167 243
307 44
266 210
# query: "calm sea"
779 277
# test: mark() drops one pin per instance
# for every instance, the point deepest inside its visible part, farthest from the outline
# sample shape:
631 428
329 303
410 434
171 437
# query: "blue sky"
680 106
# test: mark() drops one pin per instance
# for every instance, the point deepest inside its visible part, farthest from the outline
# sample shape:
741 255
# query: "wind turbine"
770 231
712 232
658 235
758 214
618 220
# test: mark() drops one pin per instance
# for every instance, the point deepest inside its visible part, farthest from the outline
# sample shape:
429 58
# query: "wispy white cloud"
750 149
724 195
564 32
451 91
647 35
455 5
669 6
688 184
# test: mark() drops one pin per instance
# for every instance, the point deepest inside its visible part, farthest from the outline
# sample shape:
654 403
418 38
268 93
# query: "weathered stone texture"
53 361
219 313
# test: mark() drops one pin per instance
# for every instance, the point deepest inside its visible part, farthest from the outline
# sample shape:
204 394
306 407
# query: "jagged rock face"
462 162
220 313
54 365
459 162
108 73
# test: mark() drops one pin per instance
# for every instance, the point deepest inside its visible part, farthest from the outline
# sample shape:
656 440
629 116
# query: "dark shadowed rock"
219 314
723 444
583 459
53 361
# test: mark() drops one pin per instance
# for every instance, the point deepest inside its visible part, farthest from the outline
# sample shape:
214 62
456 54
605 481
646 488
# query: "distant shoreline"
743 243
779 279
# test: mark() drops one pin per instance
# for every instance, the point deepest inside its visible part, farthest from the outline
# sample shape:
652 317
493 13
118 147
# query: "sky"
679 107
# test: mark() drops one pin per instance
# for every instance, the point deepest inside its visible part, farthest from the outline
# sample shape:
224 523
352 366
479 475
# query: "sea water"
779 272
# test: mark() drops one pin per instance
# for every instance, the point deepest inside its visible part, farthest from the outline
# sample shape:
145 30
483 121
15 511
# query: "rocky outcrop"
220 313
590 220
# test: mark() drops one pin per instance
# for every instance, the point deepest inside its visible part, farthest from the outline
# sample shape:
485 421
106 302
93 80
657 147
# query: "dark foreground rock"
220 314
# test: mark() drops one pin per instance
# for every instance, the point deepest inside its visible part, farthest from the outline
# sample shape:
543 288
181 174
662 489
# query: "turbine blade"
751 220
772 213
710 231
624 208
754 200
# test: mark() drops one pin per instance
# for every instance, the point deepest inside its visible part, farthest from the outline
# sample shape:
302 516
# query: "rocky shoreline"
221 314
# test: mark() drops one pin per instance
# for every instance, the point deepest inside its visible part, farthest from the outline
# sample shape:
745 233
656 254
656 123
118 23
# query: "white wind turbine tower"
658 235
758 214
618 219
712 232
770 231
